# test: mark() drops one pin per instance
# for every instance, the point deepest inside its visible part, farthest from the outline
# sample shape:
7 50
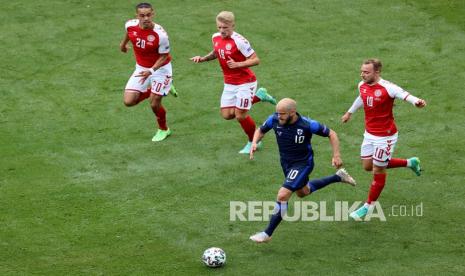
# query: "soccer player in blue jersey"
293 134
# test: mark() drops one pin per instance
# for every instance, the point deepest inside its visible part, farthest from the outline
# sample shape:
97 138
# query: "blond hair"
226 17
377 65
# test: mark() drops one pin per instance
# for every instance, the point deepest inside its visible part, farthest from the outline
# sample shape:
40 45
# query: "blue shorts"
297 176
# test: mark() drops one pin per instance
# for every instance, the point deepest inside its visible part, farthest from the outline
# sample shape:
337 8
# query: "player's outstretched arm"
346 117
399 93
208 57
334 141
257 136
355 106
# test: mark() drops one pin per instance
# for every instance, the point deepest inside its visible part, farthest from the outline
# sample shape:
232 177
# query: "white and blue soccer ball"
214 257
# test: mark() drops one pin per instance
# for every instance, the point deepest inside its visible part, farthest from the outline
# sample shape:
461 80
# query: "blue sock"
276 218
316 184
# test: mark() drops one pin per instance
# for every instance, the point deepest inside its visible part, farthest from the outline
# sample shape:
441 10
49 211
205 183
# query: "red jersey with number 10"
378 100
237 48
148 44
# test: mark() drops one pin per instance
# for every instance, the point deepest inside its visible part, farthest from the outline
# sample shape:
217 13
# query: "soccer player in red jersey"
153 74
377 96
235 55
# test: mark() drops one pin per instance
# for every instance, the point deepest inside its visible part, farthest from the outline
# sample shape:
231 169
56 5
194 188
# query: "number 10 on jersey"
299 139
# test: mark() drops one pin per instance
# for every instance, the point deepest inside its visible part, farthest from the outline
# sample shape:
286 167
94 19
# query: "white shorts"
380 149
160 82
238 96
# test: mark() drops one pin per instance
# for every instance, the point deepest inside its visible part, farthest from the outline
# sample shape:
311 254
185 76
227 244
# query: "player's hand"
123 48
253 149
144 75
196 59
232 63
336 161
420 103
346 117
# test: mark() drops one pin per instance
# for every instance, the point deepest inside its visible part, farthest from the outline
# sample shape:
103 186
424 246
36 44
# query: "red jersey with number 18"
148 44
237 48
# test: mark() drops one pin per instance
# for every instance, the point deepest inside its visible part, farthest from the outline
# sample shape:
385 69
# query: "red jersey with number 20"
148 44
237 48
378 100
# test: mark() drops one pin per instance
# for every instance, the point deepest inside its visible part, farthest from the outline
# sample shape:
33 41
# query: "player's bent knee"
228 117
367 164
240 115
379 169
155 106
155 102
283 196
368 168
227 114
305 191
130 97
129 103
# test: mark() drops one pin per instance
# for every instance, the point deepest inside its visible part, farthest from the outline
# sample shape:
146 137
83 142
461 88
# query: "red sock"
248 125
255 100
397 162
143 96
161 117
376 187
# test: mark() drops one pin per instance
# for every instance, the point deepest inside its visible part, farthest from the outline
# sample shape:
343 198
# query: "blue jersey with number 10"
294 140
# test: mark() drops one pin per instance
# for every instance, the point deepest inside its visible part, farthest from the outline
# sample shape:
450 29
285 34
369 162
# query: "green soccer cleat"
263 95
415 165
173 91
161 135
360 213
248 146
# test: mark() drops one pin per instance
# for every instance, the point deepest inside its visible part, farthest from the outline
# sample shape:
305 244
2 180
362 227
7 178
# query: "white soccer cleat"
260 237
345 177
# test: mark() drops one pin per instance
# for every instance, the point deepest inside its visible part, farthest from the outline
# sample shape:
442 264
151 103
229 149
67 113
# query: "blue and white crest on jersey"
228 46
377 92
300 131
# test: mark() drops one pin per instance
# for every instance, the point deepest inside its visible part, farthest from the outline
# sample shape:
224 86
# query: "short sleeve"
267 125
164 43
243 45
395 91
398 92
319 128
130 23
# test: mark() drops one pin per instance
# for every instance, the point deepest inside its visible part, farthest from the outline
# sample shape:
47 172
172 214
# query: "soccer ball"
214 257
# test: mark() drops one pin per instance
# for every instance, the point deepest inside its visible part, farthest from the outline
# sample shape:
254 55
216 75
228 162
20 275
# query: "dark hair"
377 65
143 5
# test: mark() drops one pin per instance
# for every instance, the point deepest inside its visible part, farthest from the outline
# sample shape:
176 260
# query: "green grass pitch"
83 190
